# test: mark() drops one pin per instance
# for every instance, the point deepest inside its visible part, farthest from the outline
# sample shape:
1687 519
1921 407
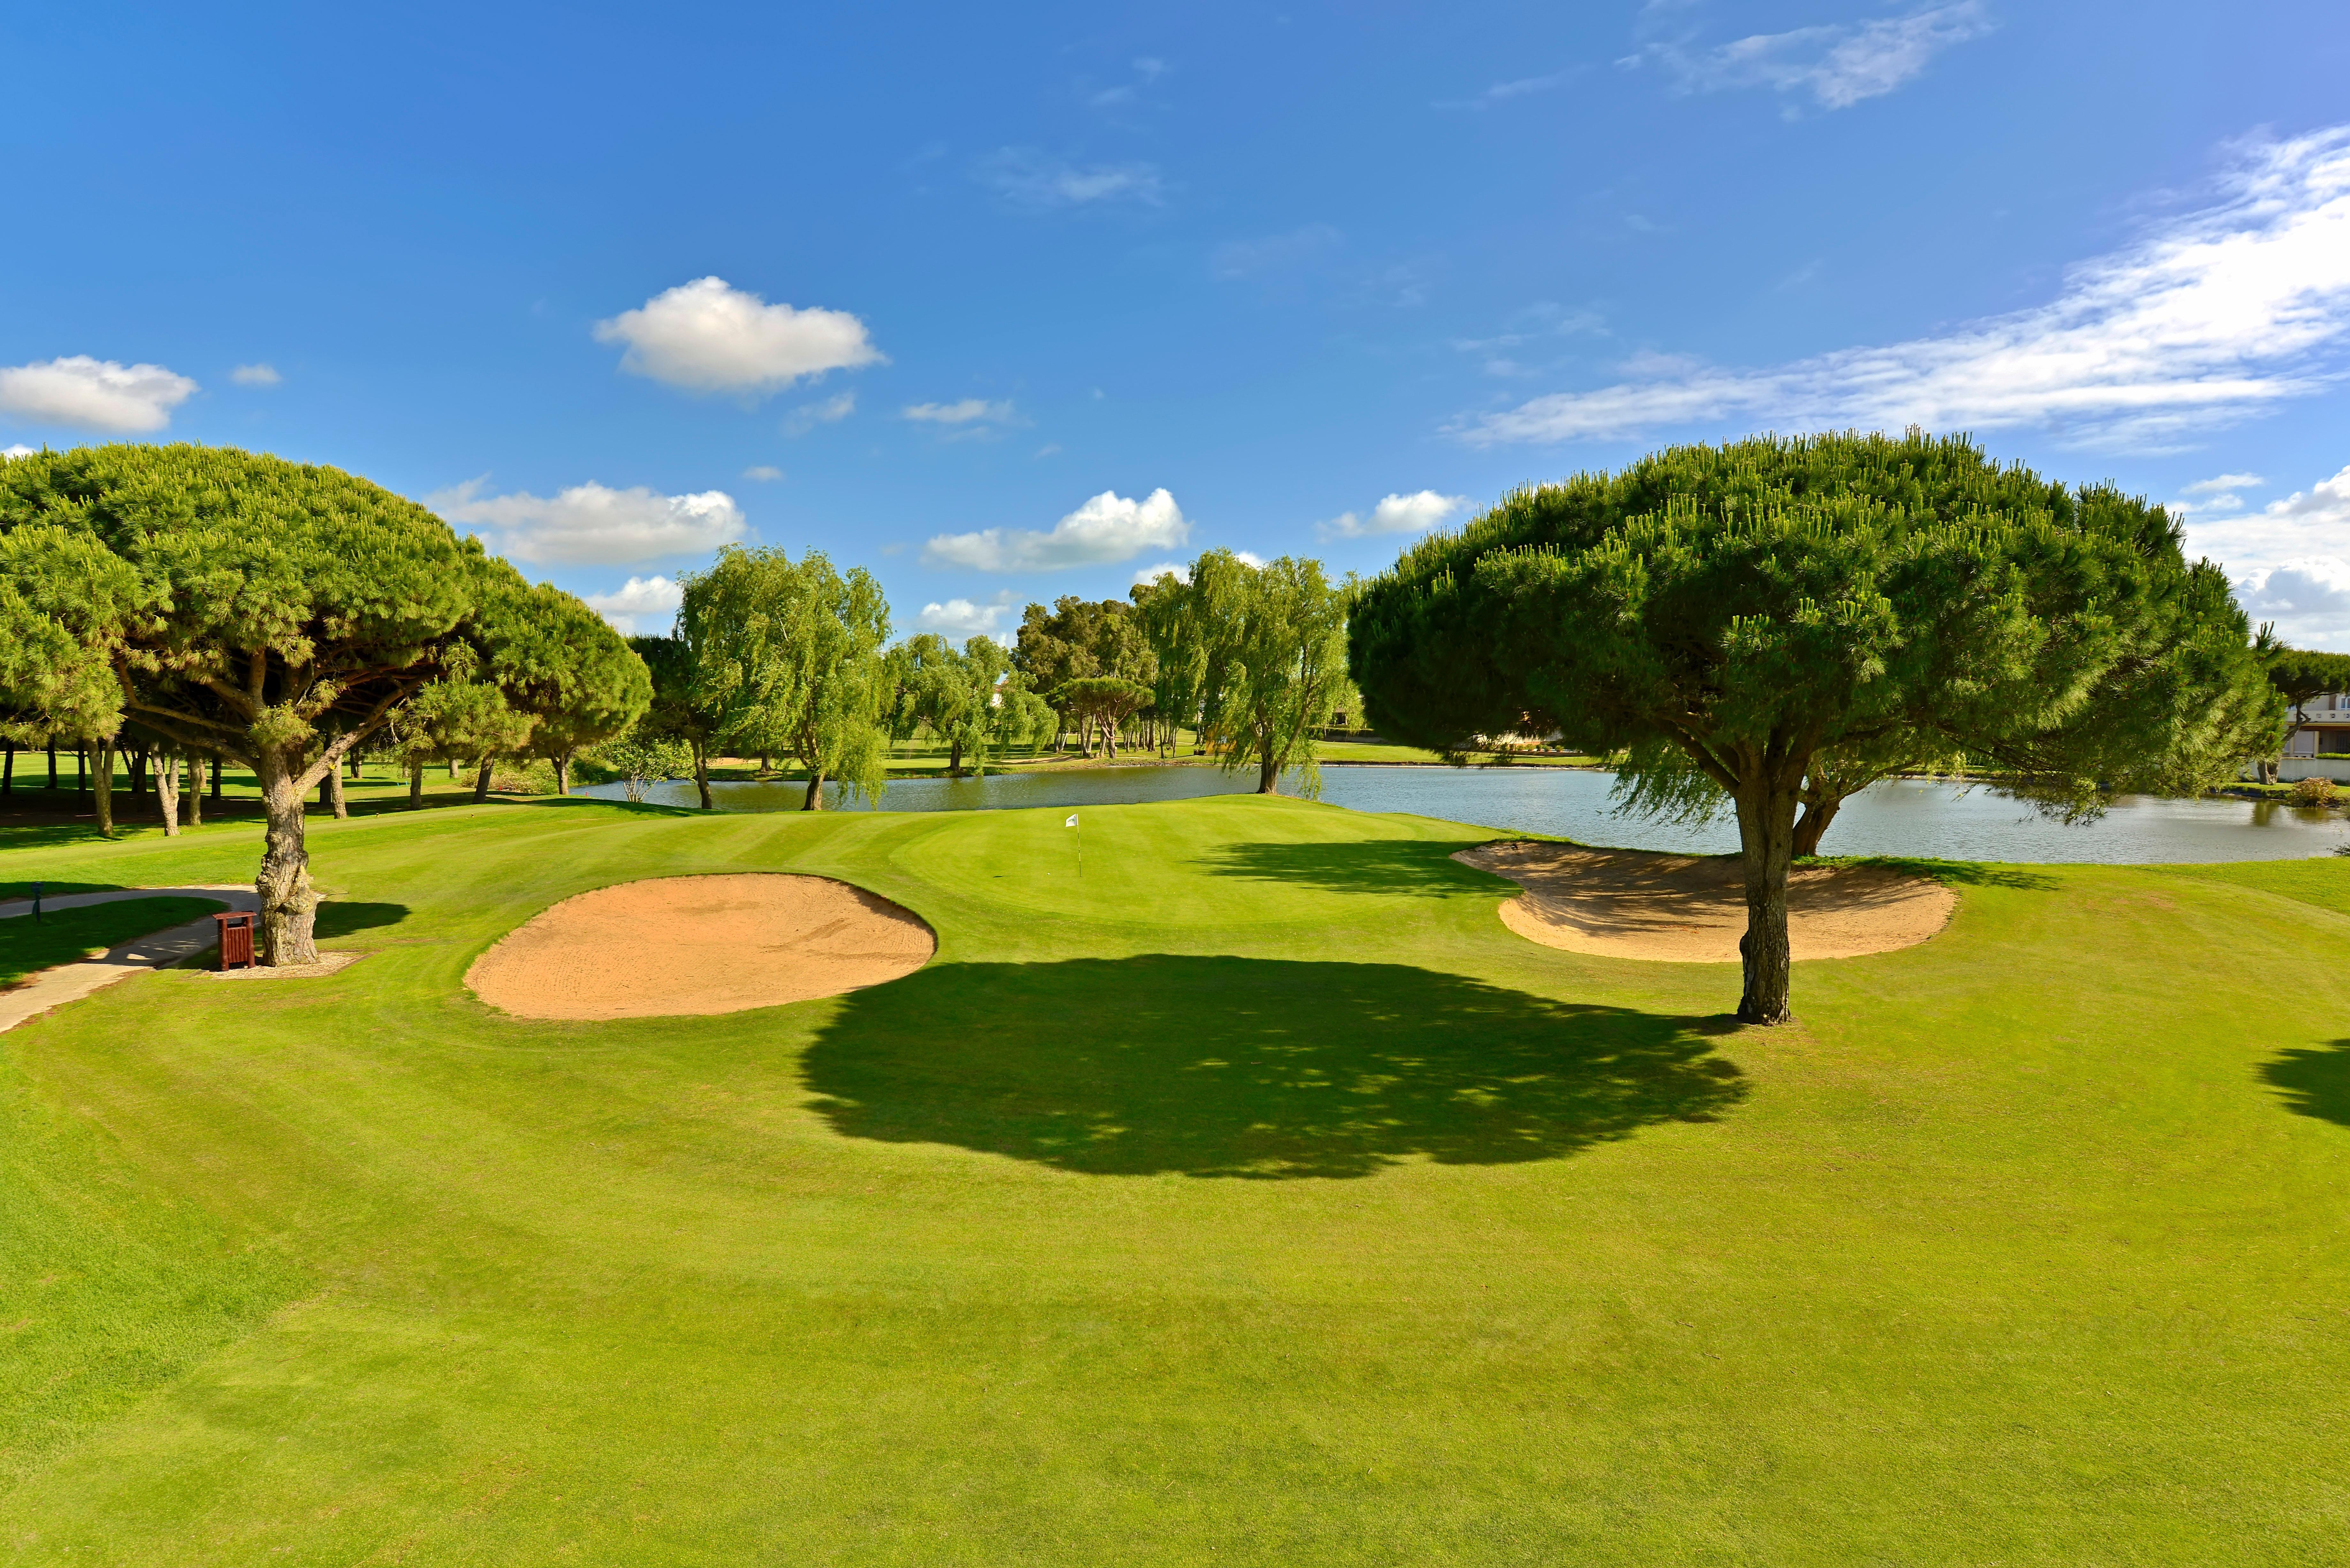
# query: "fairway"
1255 1198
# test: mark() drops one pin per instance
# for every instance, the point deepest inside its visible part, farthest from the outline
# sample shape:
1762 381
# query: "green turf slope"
1259 1199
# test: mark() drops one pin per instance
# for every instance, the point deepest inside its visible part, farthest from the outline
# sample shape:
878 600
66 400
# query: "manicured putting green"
1256 1197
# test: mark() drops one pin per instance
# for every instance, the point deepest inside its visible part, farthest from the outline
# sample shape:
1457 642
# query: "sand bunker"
1626 903
681 945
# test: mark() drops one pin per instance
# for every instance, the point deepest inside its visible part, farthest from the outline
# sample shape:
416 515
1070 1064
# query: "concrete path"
72 981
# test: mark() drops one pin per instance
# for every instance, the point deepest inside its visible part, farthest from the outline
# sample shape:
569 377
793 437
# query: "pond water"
1898 816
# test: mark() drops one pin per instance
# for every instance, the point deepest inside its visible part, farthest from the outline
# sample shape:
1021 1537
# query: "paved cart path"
72 981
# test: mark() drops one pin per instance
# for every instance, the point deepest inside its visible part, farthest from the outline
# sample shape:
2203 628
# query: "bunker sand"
692 945
1627 903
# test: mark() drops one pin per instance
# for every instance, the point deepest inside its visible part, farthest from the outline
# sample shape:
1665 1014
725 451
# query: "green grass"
1257 1199
62 935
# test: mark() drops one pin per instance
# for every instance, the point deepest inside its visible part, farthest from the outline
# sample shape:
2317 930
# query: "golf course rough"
1257 1198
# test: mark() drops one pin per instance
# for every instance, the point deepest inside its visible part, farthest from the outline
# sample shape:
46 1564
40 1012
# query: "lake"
1897 816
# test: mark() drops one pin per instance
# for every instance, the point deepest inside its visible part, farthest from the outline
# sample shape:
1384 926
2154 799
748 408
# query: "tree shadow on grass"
2314 1082
1956 873
1245 1067
1357 866
341 918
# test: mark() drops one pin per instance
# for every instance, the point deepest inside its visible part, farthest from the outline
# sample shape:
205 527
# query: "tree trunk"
416 787
53 764
954 759
82 770
815 801
1766 838
137 770
167 793
1268 772
289 905
561 761
482 783
356 776
702 774
334 782
216 778
1817 814
196 768
104 775
8 774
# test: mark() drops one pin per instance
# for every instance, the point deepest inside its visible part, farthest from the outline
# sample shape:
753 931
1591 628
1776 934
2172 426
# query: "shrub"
2313 792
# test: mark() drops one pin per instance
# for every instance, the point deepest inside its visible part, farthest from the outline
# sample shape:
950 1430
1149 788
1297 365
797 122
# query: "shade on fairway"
1257 1198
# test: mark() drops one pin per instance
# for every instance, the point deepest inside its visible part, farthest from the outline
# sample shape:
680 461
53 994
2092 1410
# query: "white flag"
1072 822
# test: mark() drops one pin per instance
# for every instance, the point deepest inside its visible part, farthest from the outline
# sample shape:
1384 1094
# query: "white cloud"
655 596
592 524
831 412
1107 528
2218 482
1837 65
765 473
2290 561
1025 178
87 394
964 619
19 449
256 376
1502 92
1274 253
969 412
709 336
2212 316
1394 514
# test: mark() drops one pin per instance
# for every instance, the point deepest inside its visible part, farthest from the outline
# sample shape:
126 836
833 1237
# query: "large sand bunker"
1626 903
679 945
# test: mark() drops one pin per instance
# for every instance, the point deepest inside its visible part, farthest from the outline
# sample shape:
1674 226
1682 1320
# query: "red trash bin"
235 939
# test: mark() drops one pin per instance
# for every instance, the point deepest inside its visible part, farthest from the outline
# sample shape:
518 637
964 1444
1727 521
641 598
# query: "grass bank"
1256 1197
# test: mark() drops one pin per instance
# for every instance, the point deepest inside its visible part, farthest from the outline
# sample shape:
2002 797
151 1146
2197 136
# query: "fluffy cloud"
87 394
708 336
592 524
960 619
653 598
831 412
2290 561
19 449
1838 65
1394 514
256 376
1025 178
766 473
1107 528
2211 316
971 413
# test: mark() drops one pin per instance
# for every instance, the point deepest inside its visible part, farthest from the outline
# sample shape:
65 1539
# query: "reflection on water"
1899 816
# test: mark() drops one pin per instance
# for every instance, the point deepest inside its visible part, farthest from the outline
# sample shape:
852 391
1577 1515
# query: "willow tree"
788 657
953 692
1782 621
276 614
678 712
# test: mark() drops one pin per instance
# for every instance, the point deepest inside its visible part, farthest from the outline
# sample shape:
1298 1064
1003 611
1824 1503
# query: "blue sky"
1005 304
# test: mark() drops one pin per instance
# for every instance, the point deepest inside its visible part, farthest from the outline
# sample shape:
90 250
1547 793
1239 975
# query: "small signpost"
36 903
235 939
